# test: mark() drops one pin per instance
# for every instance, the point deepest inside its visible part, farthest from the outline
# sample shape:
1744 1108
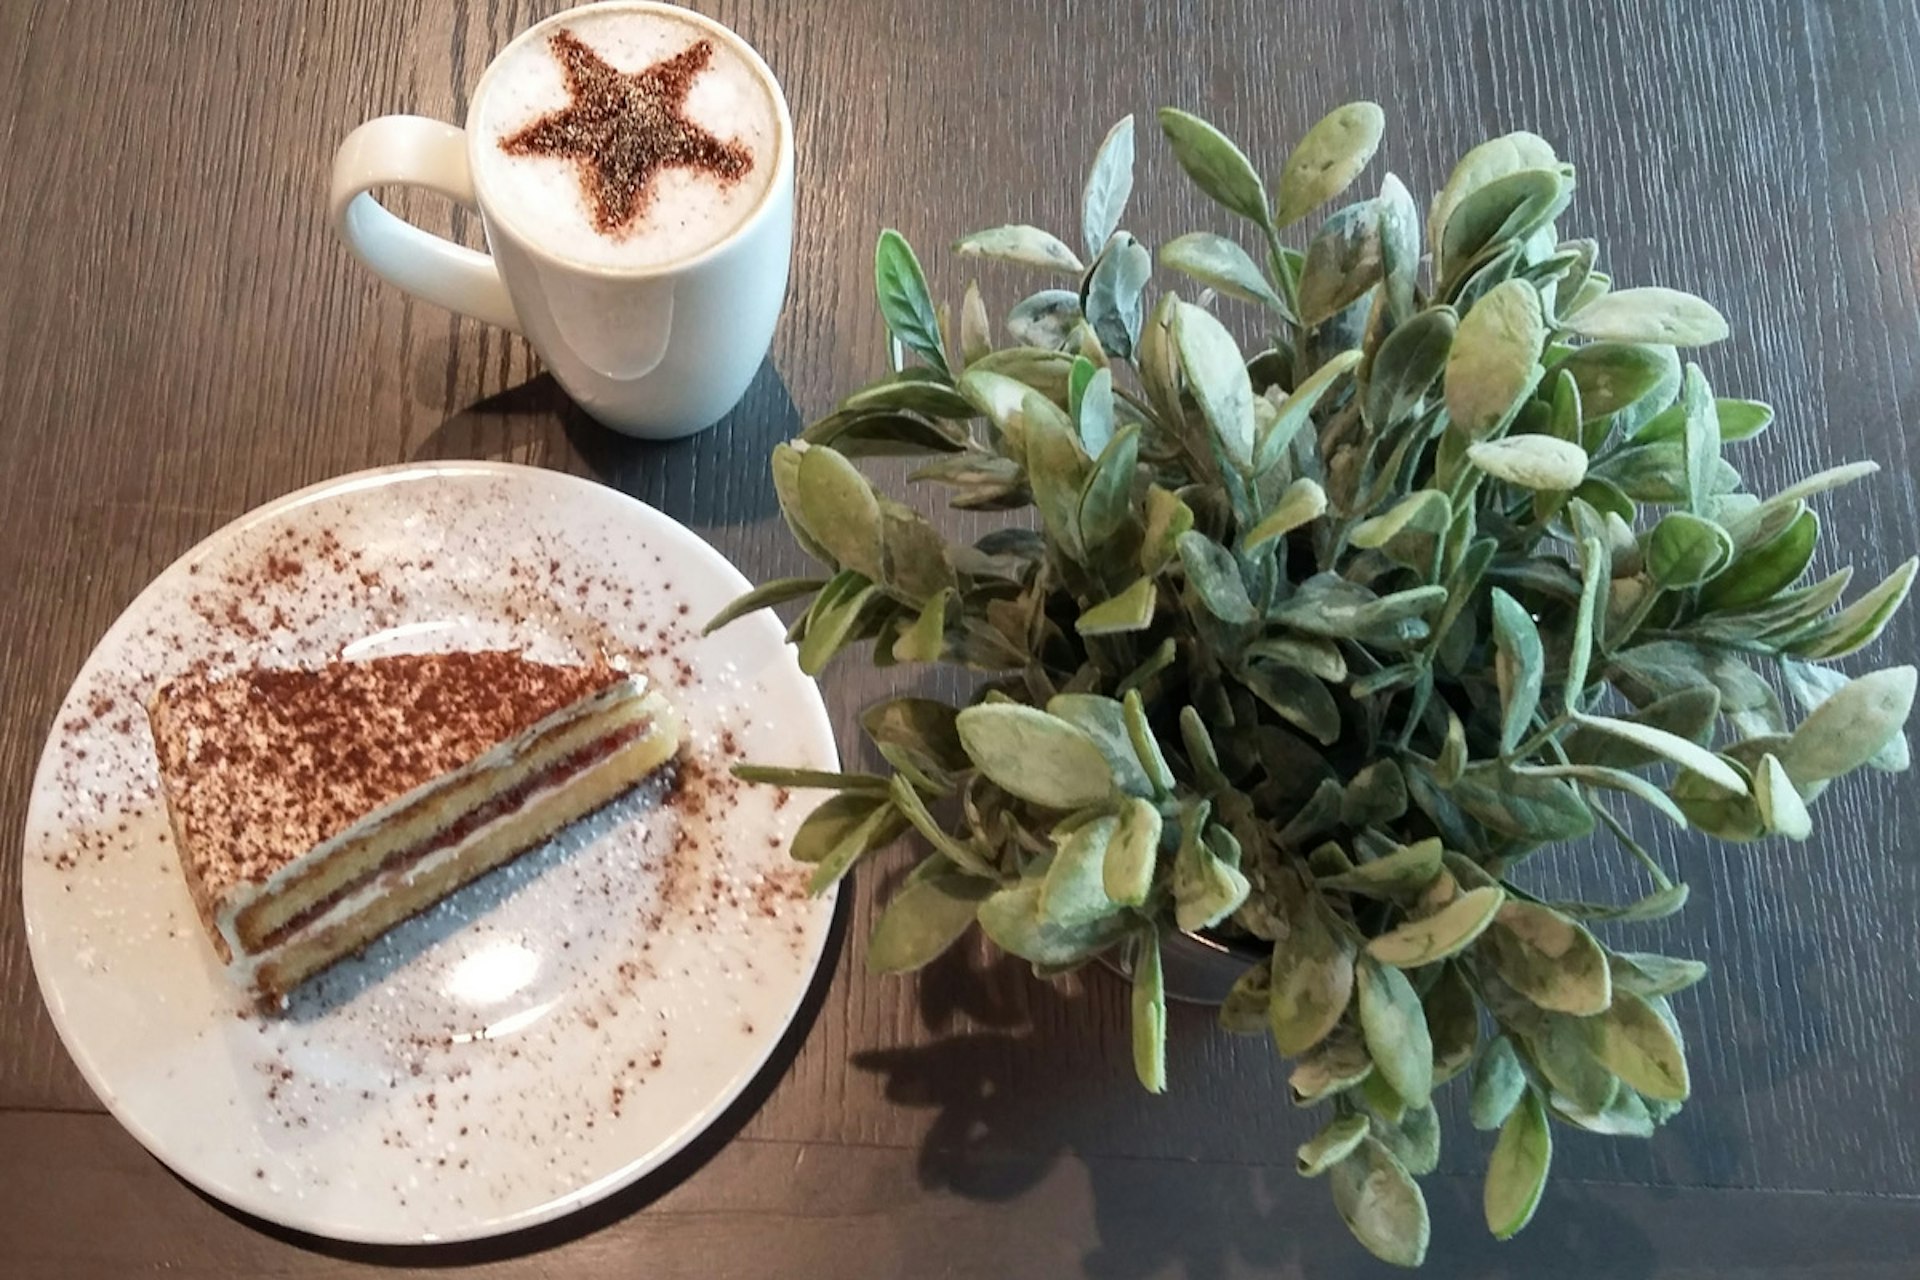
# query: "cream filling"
498 759
658 744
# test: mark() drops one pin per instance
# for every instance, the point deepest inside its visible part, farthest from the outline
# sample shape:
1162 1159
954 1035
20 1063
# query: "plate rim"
266 1208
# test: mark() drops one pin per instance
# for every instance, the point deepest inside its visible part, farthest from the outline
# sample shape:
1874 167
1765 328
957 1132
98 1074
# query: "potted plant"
1309 645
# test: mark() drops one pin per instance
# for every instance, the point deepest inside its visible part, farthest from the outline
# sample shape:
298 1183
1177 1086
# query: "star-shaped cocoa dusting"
621 129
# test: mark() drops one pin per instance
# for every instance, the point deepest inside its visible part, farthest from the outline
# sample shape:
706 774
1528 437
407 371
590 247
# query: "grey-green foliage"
1310 642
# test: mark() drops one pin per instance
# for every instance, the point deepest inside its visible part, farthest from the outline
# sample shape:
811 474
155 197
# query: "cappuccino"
624 138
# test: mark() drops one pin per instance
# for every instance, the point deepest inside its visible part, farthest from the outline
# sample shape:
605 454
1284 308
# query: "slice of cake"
315 810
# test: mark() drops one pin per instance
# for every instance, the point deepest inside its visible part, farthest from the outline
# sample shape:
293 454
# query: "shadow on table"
621 1204
1023 1105
715 477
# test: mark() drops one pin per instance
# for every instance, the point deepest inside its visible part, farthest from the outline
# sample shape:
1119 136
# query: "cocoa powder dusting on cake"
270 763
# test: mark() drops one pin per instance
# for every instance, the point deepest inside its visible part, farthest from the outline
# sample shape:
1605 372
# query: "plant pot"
1196 969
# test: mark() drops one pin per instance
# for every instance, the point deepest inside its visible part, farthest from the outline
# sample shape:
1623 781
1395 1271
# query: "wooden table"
181 339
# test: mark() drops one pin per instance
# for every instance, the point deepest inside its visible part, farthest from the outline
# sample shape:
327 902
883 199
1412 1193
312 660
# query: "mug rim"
783 141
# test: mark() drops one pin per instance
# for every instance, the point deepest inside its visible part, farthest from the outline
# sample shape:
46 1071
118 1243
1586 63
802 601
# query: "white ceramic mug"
656 352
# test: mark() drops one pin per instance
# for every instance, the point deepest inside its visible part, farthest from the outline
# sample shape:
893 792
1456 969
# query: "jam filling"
396 866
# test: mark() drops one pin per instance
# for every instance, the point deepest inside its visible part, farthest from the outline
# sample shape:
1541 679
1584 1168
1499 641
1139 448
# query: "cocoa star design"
622 128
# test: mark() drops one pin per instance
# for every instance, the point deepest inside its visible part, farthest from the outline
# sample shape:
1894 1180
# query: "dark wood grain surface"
181 339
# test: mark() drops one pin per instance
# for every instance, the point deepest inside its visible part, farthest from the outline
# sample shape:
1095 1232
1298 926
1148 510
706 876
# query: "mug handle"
412 151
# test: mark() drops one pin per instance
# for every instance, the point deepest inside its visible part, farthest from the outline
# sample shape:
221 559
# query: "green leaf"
1023 245
1422 511
1700 440
1657 905
904 301
1114 295
1205 889
1295 412
1302 502
1850 727
1444 933
1011 918
1343 261
1589 618
764 596
1671 746
1759 573
775 776
1145 745
1035 756
1149 1015
1381 1204
1127 874
1222 265
1484 164
1406 870
1217 377
1167 519
913 555
1685 550
1779 802
1093 412
1535 810
1311 979
1494 362
1414 1140
1532 461
1399 251
1047 319
1073 891
832 822
1498 1083
1614 780
1104 720
976 329
1109 183
841 510
1549 959
922 920
1860 623
1106 499
1506 209
1310 654
960 853
1517 1169
1328 159
923 726
1337 1063
836 843
1131 610
1520 667
1216 166
1244 1011
1646 975
1719 811
1650 315
1215 578
1395 1027
1737 419
925 640
1334 1143
1298 698
1635 1043
1057 468
834 619
1613 376
1407 364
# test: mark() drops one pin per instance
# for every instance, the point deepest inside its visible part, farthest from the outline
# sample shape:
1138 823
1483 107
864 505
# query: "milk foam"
541 197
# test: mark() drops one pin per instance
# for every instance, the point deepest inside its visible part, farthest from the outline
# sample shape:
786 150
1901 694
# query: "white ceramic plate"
536 1042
